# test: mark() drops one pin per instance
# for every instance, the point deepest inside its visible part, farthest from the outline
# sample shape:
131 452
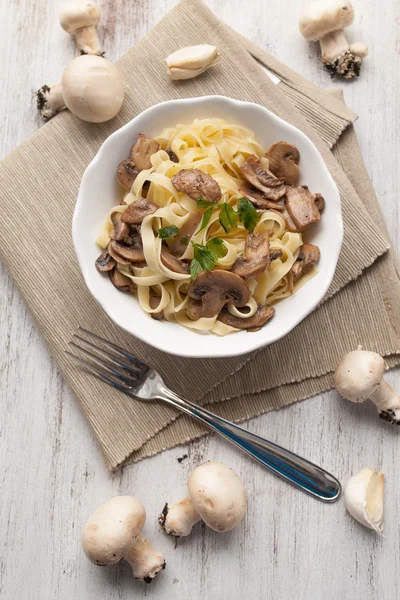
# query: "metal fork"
120 369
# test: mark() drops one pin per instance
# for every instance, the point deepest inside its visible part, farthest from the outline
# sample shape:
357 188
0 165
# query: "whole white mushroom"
113 533
216 496
324 21
359 376
92 89
80 18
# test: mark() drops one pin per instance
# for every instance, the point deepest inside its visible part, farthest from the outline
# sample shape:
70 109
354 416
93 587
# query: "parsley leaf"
202 203
206 219
169 231
247 214
227 217
206 256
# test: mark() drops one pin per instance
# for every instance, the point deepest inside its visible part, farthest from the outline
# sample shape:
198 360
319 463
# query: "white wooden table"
52 474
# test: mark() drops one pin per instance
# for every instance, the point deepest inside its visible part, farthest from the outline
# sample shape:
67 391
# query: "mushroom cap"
359 374
323 17
112 530
81 13
213 289
93 88
283 162
218 495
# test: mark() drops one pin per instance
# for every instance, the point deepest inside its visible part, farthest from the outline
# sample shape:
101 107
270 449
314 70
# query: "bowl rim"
233 349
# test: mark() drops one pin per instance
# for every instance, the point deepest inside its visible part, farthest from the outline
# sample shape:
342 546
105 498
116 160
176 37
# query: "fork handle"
296 470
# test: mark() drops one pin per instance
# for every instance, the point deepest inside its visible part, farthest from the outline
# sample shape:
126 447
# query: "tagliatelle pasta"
220 149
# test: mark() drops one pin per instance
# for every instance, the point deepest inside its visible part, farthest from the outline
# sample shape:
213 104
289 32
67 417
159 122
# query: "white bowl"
99 192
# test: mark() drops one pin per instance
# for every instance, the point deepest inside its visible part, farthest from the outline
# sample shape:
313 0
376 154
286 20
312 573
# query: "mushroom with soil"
113 533
212 290
216 496
283 161
194 183
359 376
256 256
80 18
92 89
253 170
325 21
139 160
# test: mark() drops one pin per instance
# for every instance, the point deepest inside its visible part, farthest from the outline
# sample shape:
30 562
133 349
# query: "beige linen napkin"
38 199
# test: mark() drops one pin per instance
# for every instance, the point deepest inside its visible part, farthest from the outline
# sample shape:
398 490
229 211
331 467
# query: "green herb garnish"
247 214
202 203
206 219
169 231
206 256
227 217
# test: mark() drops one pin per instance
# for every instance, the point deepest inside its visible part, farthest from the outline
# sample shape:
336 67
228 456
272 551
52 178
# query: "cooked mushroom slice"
172 155
260 317
253 170
181 241
127 173
130 253
274 254
117 257
258 198
211 290
307 259
137 211
141 152
105 262
301 207
120 281
195 183
256 256
121 230
290 226
154 301
283 162
172 263
319 201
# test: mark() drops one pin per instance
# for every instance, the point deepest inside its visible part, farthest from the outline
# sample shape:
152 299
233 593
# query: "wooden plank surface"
52 474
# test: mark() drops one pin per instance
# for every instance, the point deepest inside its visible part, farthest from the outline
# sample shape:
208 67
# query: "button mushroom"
253 170
216 496
256 256
325 21
105 262
210 291
181 241
113 533
307 258
359 376
137 210
194 183
254 323
258 198
283 162
80 18
121 282
172 263
301 207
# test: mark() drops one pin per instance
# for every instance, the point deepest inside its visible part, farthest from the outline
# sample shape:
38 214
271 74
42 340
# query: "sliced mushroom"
254 323
181 241
211 290
154 301
127 173
258 198
130 253
137 211
301 207
253 170
117 257
120 281
172 155
319 201
121 230
172 263
308 257
256 256
105 262
274 254
283 162
289 225
142 150
195 183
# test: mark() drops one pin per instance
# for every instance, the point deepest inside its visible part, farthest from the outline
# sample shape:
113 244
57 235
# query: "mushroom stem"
178 520
87 40
146 563
387 402
50 100
340 58
333 45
